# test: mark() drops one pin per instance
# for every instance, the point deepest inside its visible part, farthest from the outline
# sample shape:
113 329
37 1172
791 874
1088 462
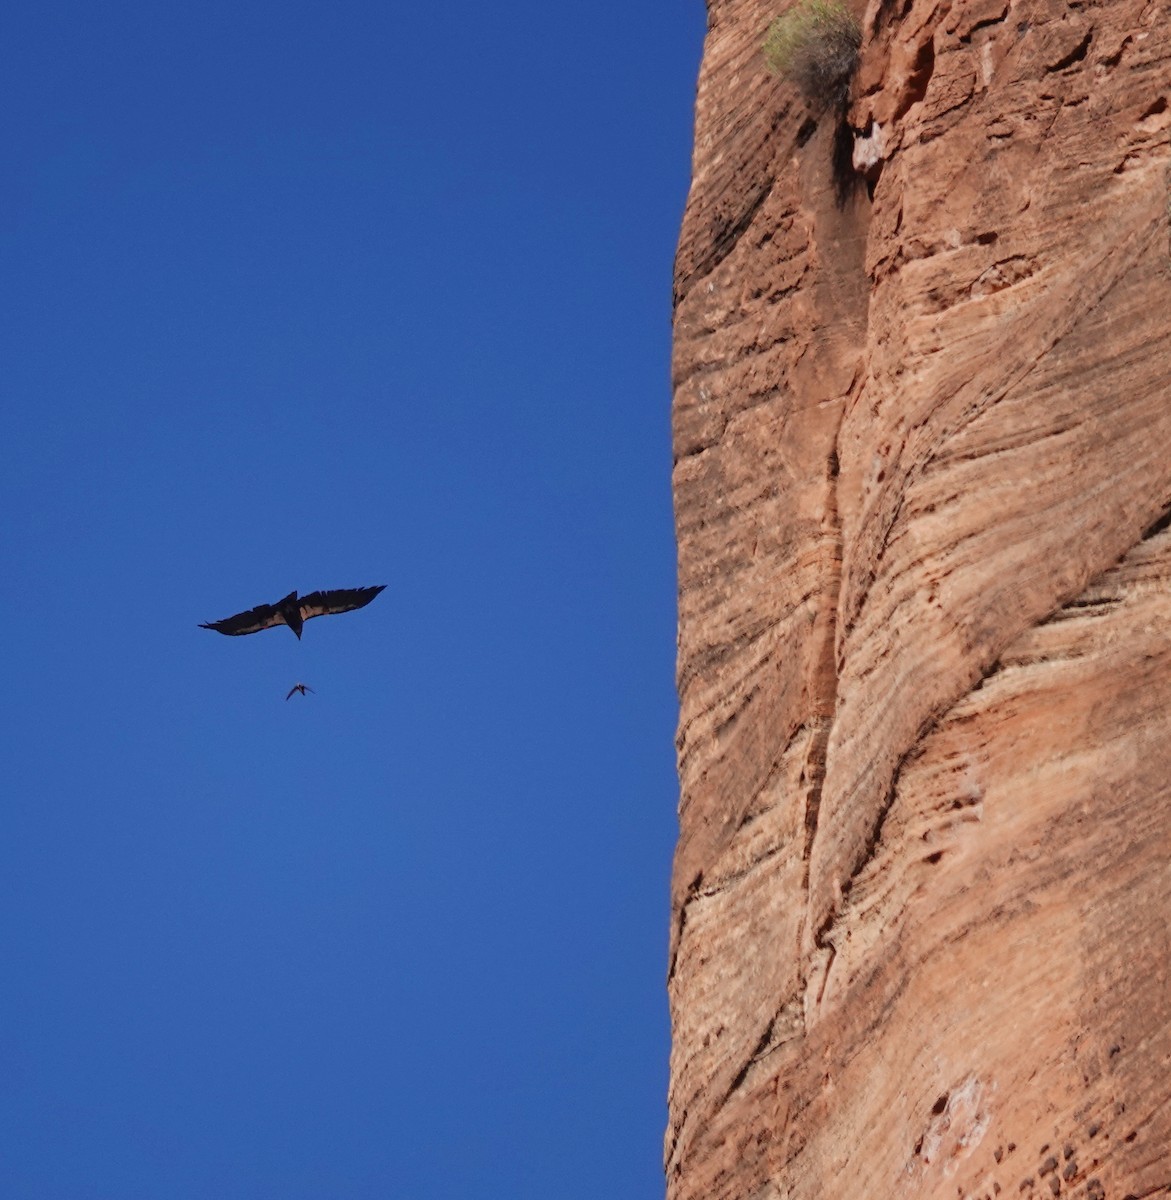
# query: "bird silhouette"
294 611
299 687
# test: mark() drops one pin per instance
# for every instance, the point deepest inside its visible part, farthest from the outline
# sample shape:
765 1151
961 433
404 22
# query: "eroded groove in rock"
1140 568
923 508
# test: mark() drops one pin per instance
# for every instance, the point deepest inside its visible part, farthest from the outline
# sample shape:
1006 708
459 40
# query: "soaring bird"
294 612
299 687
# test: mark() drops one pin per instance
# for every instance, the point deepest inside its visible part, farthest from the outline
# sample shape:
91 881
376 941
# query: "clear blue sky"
308 296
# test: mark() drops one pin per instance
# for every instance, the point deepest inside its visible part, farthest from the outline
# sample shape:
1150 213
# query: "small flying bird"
294 612
299 687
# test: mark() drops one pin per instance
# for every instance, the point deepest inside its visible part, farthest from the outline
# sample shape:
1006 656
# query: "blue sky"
303 296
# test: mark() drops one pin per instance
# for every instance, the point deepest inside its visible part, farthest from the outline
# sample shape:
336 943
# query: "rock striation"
921 922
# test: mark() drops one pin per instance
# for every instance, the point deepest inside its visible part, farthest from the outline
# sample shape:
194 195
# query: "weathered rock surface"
921 938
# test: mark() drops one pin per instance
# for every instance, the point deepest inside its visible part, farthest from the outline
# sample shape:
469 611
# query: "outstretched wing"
252 621
339 600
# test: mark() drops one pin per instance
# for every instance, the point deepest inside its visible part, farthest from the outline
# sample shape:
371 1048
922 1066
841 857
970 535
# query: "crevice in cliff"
870 849
753 1057
1078 53
785 1025
983 23
813 772
847 182
918 77
681 922
1157 527
815 765
1084 607
1114 57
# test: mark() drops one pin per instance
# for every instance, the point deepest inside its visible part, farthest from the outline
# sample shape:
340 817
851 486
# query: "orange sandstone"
921 937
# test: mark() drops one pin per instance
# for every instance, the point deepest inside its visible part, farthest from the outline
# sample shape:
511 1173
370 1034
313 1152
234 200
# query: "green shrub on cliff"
815 46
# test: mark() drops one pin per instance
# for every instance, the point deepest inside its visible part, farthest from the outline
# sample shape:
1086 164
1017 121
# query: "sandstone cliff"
921 937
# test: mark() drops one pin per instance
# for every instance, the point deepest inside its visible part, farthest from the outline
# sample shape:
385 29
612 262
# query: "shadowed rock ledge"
921 930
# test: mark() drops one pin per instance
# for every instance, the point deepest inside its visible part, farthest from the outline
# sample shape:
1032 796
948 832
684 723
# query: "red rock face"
921 937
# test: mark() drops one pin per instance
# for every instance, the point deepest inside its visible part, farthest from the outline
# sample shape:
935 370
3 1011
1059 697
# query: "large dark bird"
294 612
299 687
